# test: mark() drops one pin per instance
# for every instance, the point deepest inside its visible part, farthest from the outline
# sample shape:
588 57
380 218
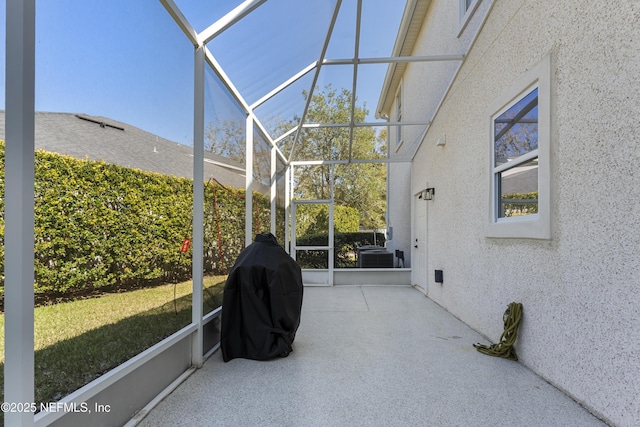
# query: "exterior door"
419 255
320 255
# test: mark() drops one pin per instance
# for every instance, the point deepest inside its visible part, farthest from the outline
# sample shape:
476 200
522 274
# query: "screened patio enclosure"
341 52
257 65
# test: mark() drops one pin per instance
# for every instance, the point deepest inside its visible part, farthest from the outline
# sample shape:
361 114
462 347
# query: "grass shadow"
67 365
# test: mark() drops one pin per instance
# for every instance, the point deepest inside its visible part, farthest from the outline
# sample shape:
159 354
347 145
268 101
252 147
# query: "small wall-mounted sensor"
442 140
439 276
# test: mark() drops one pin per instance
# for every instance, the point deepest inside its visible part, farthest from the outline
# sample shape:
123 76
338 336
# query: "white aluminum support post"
331 254
274 190
19 206
248 199
287 208
198 205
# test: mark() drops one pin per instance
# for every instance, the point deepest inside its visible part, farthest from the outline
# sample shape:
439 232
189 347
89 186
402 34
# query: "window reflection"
519 190
516 130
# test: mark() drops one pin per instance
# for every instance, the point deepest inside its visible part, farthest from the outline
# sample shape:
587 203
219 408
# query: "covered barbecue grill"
262 302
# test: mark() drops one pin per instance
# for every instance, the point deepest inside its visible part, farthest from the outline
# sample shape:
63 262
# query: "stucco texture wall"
399 211
580 289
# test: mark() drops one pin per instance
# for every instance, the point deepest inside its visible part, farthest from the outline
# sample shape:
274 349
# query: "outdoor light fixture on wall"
429 192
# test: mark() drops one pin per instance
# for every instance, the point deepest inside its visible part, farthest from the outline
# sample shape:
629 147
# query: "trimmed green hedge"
99 225
314 219
520 204
345 246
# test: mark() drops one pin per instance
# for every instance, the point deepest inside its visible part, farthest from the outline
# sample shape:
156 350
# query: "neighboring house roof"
100 138
410 26
525 181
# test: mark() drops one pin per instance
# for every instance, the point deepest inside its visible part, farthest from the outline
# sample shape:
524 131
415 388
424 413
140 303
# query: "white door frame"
419 250
314 276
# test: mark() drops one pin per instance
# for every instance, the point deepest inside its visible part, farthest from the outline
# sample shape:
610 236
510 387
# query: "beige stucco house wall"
579 278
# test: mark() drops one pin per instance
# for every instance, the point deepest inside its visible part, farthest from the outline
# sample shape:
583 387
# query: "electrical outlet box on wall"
439 277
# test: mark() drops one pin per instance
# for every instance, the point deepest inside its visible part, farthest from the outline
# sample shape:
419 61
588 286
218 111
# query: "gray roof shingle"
100 138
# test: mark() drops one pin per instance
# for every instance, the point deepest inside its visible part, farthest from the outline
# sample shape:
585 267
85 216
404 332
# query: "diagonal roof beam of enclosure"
233 90
207 35
356 55
214 30
249 6
334 17
182 22
285 84
229 19
286 134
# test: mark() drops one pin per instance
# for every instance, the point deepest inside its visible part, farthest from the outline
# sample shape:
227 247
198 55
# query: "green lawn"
76 342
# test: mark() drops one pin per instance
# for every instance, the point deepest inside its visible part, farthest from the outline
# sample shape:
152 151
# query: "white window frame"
399 101
536 226
465 13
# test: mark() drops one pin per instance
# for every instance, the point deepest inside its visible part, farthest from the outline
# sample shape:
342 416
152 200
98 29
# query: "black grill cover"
262 302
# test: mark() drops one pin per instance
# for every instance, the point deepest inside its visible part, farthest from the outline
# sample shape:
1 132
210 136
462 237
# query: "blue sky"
127 60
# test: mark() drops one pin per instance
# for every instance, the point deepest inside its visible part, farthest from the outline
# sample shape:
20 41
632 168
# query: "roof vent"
101 123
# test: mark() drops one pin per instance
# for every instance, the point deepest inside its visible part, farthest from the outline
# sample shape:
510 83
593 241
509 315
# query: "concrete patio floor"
370 356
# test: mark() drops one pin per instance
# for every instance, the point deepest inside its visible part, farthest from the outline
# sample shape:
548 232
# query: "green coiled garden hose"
504 347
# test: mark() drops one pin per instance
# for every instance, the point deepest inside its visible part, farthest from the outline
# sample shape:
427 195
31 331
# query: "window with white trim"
520 158
466 8
399 117
515 157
